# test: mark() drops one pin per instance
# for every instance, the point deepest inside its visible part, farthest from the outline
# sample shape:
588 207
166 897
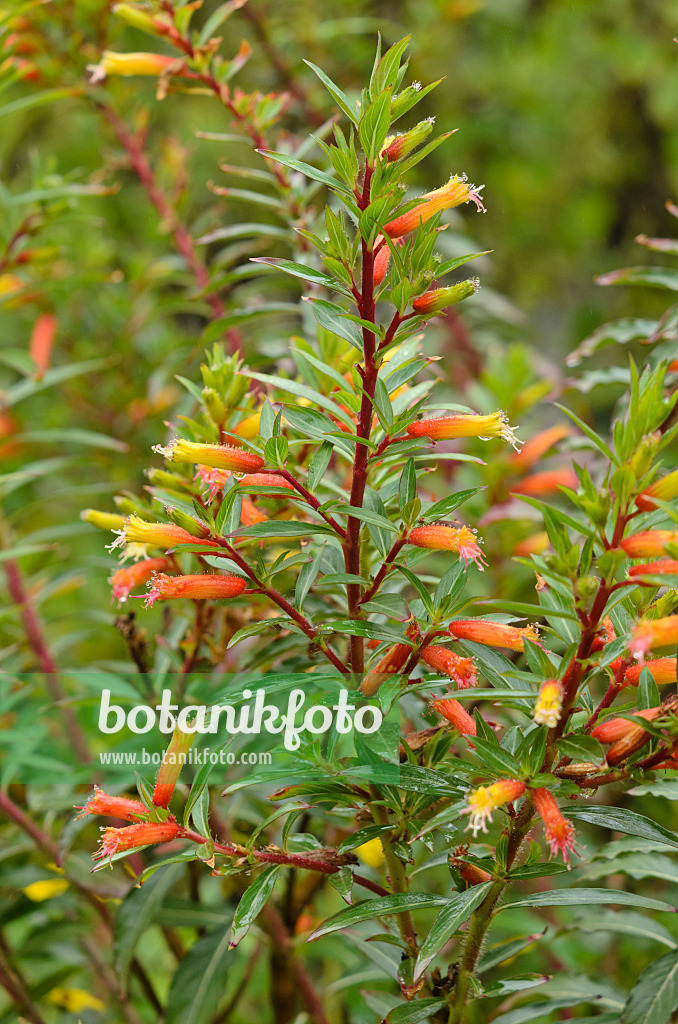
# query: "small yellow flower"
549 705
45 889
75 1000
371 853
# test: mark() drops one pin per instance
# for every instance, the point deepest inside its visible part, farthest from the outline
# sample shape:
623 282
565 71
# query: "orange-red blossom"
199 587
663 670
454 713
649 544
147 833
665 489
125 580
559 832
217 456
439 537
484 800
392 663
614 729
112 806
493 634
126 64
455 192
172 762
665 566
156 535
546 482
461 670
449 428
650 633
266 480
538 445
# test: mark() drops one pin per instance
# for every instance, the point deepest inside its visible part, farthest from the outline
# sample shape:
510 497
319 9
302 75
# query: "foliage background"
567 112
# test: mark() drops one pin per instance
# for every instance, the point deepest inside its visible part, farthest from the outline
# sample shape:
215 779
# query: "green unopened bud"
138 17
398 146
404 100
643 457
437 299
237 391
214 405
129 506
102 520
609 563
172 481
187 523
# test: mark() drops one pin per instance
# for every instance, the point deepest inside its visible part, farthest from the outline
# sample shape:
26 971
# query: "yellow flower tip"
371 853
102 520
484 800
549 704
74 1000
45 889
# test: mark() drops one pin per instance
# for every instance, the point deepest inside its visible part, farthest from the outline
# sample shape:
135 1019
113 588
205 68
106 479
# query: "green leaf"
374 125
445 506
655 995
584 897
296 270
319 464
651 277
534 1011
199 982
415 1012
625 923
367 910
619 819
37 99
138 912
590 433
294 387
252 903
459 908
283 528
365 516
341 97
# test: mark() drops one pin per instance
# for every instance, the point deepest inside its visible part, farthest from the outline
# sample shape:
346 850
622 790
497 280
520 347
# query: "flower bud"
449 428
102 520
381 261
666 566
266 480
484 800
547 482
156 535
665 489
398 146
644 455
119 840
125 580
559 832
614 729
249 427
173 761
461 670
438 299
649 544
190 524
535 544
493 634
453 712
250 515
218 456
549 705
454 193
206 587
650 633
662 670
539 445
112 806
137 17
42 339
460 539
392 663
215 407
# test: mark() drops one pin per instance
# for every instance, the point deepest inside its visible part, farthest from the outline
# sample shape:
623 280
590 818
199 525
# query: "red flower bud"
559 831
453 712
461 670
112 806
547 482
538 445
266 480
665 566
125 580
197 588
665 489
663 670
649 544
173 761
493 634
119 840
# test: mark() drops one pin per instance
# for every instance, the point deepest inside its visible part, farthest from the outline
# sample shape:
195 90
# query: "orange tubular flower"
665 489
250 514
493 634
112 806
266 480
248 428
147 64
663 670
452 710
448 428
549 705
173 761
559 831
156 535
381 261
454 193
650 633
484 800
42 339
119 840
535 544
614 729
217 456
125 580
649 544
538 445
546 482
666 566
197 588
461 670
392 663
438 537
437 299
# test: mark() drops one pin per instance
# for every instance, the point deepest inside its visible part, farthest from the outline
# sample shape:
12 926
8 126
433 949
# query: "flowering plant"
304 523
